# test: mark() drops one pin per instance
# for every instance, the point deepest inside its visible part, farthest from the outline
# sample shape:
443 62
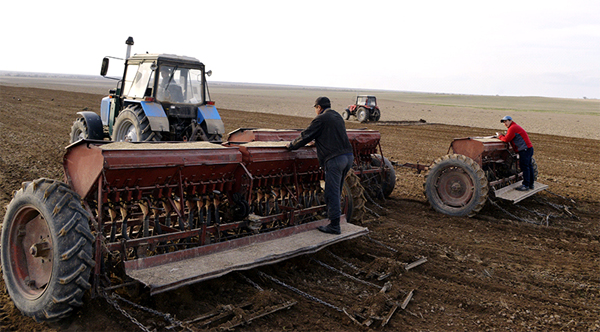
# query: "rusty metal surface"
212 261
480 148
144 166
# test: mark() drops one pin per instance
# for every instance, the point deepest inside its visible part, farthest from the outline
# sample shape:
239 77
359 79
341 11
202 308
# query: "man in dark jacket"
520 142
334 152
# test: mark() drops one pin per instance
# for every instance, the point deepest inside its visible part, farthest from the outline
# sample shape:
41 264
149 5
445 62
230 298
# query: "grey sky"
515 48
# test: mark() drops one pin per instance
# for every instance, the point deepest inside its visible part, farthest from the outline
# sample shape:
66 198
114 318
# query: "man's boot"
332 228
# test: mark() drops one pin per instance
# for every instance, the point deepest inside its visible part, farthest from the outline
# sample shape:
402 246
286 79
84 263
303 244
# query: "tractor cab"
160 97
369 101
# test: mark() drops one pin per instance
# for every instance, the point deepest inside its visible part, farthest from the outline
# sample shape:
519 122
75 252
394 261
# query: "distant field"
556 116
527 104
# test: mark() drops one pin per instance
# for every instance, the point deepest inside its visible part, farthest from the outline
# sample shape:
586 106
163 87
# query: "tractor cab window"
179 85
361 101
136 81
371 102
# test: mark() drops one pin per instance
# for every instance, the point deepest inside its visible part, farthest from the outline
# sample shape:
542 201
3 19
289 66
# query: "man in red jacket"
520 142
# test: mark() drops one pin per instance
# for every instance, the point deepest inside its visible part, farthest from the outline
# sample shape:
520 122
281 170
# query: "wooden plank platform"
510 194
215 260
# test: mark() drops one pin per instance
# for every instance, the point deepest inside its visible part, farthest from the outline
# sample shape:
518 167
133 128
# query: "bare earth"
488 273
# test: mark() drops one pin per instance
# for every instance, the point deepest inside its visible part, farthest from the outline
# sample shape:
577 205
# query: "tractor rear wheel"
456 185
46 250
132 125
79 130
362 115
376 115
345 114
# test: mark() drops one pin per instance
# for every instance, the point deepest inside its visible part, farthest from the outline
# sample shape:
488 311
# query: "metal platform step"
510 194
169 271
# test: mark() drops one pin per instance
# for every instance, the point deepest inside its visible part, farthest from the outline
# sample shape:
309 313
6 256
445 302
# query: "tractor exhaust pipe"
129 43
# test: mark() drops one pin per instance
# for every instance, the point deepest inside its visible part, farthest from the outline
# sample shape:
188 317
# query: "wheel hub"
32 252
455 187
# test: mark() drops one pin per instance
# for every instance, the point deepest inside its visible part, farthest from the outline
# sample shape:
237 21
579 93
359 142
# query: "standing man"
520 142
334 152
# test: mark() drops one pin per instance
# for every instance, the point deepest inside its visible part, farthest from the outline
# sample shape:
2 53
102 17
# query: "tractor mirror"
104 68
208 73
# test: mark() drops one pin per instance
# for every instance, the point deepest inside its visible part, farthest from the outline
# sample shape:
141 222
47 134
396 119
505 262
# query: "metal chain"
512 215
306 295
343 261
381 244
345 274
555 194
560 208
114 303
541 215
248 280
167 317
371 211
373 201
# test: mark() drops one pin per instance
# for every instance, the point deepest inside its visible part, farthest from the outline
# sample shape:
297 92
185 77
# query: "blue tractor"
161 97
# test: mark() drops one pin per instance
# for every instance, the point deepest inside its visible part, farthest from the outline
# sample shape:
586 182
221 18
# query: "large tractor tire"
132 125
46 250
376 115
455 185
388 178
79 130
87 126
345 114
362 115
356 195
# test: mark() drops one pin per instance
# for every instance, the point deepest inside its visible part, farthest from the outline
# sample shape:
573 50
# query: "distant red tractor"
365 109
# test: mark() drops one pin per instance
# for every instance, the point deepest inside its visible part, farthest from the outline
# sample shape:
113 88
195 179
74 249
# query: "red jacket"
517 137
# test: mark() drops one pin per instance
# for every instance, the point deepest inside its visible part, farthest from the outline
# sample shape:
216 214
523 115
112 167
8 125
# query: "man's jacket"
517 137
328 130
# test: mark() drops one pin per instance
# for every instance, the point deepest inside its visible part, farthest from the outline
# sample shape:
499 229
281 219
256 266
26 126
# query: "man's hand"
497 134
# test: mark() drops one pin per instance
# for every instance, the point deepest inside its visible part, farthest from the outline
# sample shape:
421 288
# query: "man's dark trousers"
526 167
336 169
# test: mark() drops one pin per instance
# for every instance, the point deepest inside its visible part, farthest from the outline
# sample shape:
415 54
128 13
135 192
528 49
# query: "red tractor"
364 109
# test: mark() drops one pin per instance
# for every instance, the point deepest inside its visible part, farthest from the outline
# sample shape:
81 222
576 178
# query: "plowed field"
494 272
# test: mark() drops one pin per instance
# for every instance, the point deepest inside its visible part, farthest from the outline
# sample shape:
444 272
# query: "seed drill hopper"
167 215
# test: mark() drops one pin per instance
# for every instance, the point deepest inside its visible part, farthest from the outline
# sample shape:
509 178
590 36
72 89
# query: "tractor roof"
166 58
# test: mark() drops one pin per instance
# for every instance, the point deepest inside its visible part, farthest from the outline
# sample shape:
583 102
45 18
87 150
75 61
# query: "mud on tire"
46 250
455 185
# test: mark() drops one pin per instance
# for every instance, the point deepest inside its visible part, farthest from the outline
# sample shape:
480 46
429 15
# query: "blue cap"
506 118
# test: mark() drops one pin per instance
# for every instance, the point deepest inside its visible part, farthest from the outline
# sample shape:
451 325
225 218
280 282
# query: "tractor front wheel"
362 115
132 125
456 185
46 250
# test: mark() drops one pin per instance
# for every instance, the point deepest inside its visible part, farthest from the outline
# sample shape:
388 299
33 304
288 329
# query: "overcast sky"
511 48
